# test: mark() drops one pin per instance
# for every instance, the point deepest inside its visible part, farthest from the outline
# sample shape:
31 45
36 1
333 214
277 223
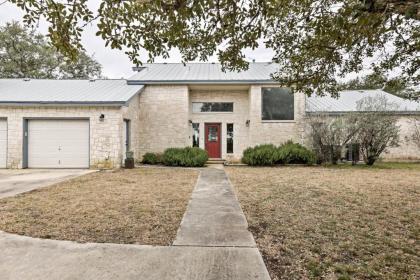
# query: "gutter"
338 113
199 82
63 103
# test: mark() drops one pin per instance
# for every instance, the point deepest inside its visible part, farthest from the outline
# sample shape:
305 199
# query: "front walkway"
214 216
212 243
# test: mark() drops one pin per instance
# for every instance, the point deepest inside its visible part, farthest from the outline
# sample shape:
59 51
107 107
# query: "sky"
115 63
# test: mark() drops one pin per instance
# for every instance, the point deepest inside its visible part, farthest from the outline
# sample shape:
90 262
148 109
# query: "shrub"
295 153
377 128
261 155
152 158
186 157
268 154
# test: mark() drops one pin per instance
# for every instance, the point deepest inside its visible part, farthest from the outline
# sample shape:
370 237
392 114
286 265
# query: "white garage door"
3 143
58 144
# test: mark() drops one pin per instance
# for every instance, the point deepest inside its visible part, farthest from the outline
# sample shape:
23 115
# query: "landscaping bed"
138 206
334 223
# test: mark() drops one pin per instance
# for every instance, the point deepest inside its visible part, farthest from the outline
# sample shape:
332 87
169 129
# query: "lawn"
333 223
138 206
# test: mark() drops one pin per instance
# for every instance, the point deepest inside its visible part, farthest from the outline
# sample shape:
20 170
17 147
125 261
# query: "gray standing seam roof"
106 92
202 73
348 99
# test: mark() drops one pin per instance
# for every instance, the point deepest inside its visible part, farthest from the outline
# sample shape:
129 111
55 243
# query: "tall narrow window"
229 138
196 135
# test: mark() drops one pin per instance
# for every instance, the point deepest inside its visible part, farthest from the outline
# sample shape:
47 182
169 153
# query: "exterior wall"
274 132
239 117
407 150
105 143
132 113
163 118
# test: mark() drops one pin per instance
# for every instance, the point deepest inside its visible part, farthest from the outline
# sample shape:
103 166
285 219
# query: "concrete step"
216 161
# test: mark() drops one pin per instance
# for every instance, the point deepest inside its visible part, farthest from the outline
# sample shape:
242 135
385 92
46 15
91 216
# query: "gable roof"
106 92
348 99
202 73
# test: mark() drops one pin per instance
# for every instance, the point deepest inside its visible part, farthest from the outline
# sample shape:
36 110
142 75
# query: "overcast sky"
115 63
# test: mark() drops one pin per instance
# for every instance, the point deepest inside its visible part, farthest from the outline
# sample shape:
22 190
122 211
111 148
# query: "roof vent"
213 63
92 80
26 79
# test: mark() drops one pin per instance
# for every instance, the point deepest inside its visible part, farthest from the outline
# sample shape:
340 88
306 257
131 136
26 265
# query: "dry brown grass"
139 206
323 223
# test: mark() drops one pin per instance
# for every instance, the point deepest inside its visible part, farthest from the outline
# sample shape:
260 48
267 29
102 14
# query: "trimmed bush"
268 154
294 153
152 158
260 155
186 157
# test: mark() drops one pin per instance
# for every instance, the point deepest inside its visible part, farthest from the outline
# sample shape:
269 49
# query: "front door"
213 140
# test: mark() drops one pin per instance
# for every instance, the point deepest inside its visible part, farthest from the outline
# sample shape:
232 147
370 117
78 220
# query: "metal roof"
25 91
202 73
348 99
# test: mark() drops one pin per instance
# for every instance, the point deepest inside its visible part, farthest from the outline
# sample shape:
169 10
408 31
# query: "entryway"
213 140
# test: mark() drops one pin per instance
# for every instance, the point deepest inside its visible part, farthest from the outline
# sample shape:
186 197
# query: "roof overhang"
338 113
61 103
200 82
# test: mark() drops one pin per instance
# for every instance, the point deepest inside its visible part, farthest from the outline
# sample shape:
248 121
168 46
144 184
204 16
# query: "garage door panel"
58 144
3 143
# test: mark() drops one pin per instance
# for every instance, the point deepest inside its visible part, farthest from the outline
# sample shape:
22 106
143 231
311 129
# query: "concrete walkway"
214 216
212 243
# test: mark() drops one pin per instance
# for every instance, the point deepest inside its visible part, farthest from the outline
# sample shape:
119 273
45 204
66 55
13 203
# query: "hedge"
186 157
268 154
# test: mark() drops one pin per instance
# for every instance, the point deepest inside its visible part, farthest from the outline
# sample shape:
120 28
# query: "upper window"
277 104
200 107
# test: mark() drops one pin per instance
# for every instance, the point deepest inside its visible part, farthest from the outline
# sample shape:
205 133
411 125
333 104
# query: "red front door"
213 140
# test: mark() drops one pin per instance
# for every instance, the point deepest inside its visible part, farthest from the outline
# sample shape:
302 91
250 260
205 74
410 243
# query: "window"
277 104
196 135
229 138
200 107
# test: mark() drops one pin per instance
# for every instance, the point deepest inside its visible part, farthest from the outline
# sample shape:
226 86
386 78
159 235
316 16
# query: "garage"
3 143
57 143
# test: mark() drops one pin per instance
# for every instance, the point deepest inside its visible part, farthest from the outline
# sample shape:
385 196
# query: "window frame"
227 137
276 121
193 131
212 112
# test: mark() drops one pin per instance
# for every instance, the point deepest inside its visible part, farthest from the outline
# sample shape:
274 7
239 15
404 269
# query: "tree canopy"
26 54
397 85
314 41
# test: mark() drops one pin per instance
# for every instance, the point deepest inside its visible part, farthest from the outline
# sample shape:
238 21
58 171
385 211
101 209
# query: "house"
92 123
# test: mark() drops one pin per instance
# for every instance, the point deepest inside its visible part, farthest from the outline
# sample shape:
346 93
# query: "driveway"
13 182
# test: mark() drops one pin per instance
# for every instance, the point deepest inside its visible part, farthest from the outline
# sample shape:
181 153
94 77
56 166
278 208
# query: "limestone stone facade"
161 116
105 136
166 118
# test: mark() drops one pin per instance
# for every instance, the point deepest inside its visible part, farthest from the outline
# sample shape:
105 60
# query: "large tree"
26 54
315 41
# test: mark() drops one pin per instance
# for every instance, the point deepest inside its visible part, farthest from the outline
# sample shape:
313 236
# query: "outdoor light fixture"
190 121
102 117
247 123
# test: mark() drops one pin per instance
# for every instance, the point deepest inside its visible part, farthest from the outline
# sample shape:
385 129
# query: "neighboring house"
80 124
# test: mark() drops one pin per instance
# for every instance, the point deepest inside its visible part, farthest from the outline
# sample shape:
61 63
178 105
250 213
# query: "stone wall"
132 113
274 132
408 150
163 118
238 118
105 143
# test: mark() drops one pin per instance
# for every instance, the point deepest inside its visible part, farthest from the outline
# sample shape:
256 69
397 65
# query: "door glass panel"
212 135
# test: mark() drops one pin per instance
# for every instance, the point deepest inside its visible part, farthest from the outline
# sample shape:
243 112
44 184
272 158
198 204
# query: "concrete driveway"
13 182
